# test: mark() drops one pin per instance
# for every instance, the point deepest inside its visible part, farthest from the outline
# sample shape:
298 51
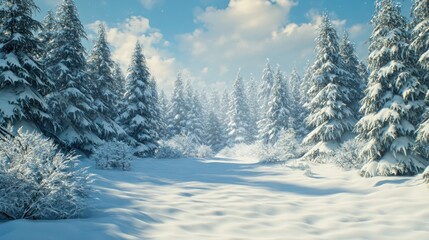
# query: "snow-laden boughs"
239 114
22 79
278 112
266 87
420 47
194 127
330 111
296 106
177 111
102 88
355 83
137 117
71 102
215 133
37 181
392 102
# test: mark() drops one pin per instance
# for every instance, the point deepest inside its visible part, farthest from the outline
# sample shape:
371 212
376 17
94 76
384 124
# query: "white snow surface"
224 198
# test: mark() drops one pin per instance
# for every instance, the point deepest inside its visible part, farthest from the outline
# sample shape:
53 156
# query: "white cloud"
245 33
123 38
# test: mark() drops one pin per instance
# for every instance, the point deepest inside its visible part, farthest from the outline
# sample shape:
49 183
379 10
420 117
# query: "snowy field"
240 199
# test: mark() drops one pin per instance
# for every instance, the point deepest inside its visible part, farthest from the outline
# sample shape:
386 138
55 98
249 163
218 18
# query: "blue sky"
209 40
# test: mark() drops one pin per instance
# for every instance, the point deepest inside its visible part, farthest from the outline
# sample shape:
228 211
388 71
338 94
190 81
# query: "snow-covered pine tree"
224 109
420 47
252 99
215 132
137 118
265 89
392 101
119 87
155 111
297 111
177 111
163 109
352 64
46 34
239 114
102 87
277 118
22 79
330 116
70 102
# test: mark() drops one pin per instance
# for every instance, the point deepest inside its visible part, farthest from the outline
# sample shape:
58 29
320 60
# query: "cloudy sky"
209 40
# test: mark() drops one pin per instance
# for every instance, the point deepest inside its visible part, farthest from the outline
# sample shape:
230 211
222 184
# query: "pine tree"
297 111
156 123
22 79
352 64
102 87
238 126
420 49
70 102
163 109
215 133
118 87
137 117
267 83
177 111
252 99
391 103
277 118
46 34
330 115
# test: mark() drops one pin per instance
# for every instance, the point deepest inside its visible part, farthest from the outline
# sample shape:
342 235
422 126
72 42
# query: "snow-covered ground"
240 199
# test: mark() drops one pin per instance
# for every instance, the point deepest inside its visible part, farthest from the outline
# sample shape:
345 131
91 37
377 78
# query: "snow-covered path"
233 199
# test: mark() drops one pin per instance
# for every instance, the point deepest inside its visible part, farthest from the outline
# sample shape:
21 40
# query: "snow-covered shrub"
284 149
37 181
181 146
113 155
348 155
242 150
203 151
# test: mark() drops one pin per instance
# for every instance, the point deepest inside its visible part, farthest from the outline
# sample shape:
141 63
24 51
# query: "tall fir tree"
137 117
277 118
352 64
70 101
265 89
102 86
297 110
163 109
177 111
22 79
420 48
252 99
46 34
330 115
215 132
239 114
392 98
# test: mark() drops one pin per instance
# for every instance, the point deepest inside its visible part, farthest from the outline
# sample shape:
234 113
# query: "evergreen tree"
239 114
70 102
46 34
163 109
352 64
252 98
267 83
391 104
297 111
156 123
330 115
138 118
277 117
102 87
118 88
215 133
420 48
22 79
177 111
